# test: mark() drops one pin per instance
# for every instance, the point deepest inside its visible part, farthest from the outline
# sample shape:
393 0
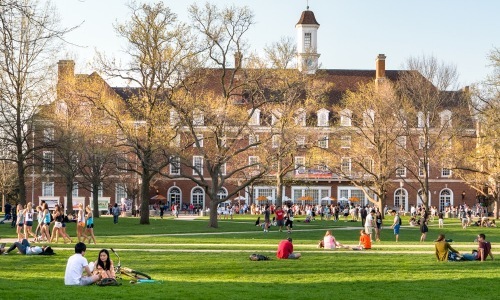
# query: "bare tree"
29 36
161 53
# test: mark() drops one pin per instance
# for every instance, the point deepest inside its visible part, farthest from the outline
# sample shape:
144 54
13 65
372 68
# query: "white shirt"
34 250
369 220
74 269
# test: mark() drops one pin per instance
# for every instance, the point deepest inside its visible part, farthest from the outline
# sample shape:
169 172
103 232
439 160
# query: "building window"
421 142
323 115
121 162
421 168
445 199
176 141
275 141
100 191
345 141
198 165
253 140
345 165
401 171
445 172
223 169
174 118
74 190
368 118
48 189
48 135
307 40
323 142
48 161
253 161
175 165
197 197
300 117
368 164
420 120
300 165
174 195
199 140
401 198
254 117
445 117
401 142
222 194
301 141
121 191
198 118
345 118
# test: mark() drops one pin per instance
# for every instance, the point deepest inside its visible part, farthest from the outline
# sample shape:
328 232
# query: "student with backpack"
397 224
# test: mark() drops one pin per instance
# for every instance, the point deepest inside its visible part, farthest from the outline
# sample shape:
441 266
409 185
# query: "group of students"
25 220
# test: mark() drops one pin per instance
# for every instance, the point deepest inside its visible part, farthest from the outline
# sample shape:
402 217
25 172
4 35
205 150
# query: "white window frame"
401 171
74 189
275 141
254 117
48 161
368 164
345 142
346 165
323 142
307 40
323 116
401 142
301 140
197 164
199 138
48 134
174 118
47 189
445 118
253 140
346 118
254 159
421 168
120 191
198 118
175 165
300 165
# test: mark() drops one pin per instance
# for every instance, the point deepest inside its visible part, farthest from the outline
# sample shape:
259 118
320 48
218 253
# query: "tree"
29 36
367 149
434 115
161 53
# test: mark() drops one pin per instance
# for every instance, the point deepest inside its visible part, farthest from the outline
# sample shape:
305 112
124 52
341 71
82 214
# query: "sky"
351 34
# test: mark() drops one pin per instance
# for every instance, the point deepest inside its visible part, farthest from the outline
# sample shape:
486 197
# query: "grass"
193 261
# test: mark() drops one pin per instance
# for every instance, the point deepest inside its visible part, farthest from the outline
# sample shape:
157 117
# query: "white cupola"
307 42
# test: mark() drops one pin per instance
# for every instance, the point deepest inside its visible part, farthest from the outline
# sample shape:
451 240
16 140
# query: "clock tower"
307 42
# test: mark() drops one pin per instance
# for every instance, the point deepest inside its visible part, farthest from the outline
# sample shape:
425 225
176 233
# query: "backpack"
256 257
108 282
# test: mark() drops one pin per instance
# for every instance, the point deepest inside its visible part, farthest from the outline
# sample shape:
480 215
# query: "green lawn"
192 261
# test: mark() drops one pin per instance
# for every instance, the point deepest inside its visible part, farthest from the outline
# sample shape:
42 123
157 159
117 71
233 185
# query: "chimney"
65 77
237 60
380 67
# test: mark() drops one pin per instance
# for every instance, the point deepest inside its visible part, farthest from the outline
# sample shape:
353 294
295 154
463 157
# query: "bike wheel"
135 274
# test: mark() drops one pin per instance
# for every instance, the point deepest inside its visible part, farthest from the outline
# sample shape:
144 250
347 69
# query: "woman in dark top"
378 224
423 226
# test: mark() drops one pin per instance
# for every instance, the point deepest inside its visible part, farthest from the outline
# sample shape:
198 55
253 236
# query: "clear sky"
351 34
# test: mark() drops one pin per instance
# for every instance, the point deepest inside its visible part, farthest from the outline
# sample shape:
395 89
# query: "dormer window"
345 118
300 117
254 117
368 118
445 117
275 116
323 115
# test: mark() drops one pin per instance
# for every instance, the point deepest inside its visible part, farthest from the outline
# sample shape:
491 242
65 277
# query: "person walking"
396 224
378 224
115 211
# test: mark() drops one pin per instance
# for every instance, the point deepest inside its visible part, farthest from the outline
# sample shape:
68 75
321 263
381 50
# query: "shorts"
29 223
86 280
63 224
81 224
289 223
90 225
279 223
57 225
379 225
20 225
368 229
396 229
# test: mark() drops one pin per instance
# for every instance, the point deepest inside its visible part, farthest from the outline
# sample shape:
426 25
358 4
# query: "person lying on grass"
25 248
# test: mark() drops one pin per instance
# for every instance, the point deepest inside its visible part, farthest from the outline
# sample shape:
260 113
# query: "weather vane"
307 1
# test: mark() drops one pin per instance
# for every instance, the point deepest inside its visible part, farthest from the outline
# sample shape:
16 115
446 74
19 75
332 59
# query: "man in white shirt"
77 263
370 223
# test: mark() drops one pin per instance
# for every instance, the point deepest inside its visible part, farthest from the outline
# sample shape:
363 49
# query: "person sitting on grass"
444 251
285 250
103 266
483 250
77 263
364 241
329 241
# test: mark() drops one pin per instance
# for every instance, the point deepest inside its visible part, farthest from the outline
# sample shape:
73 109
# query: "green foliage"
193 261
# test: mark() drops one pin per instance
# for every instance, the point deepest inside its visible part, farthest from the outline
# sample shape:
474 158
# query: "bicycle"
135 275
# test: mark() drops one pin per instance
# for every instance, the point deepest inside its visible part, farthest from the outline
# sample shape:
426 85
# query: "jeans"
469 256
22 246
115 219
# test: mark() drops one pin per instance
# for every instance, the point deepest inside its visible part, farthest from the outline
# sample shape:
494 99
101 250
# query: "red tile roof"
307 18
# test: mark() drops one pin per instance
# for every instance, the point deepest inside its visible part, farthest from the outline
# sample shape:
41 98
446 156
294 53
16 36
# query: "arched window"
174 195
197 197
345 117
445 199
222 194
323 115
401 199
254 116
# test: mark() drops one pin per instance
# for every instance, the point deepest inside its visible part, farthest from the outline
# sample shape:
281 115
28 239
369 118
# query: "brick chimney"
237 60
65 77
380 66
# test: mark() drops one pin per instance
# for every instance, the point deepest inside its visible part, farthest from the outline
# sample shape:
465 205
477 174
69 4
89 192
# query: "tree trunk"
22 184
95 199
69 196
213 223
145 199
